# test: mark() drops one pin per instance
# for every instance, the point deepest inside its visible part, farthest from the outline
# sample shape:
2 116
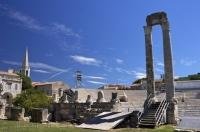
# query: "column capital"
147 29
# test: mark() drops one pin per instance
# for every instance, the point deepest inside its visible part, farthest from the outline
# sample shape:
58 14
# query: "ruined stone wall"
39 115
81 111
191 84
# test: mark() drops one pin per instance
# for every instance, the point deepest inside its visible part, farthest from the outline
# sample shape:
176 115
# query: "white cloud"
160 64
85 60
65 37
55 75
137 74
41 71
63 29
188 62
107 68
11 62
28 22
159 70
176 77
96 82
121 70
140 75
47 67
20 18
95 77
39 66
119 61
25 20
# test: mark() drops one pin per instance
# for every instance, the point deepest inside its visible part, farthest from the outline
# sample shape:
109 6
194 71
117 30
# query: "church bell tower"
25 65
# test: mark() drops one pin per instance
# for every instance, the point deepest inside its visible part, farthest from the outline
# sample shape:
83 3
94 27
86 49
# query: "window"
16 87
9 85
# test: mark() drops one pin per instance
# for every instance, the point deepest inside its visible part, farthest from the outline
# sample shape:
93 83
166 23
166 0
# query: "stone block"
63 111
17 114
8 112
39 115
100 97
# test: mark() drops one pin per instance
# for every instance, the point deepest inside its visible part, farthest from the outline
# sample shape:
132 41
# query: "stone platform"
105 120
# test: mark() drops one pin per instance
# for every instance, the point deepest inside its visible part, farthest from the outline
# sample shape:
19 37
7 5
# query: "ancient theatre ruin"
160 18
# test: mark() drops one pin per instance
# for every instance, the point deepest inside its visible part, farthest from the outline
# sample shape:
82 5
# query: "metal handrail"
165 106
160 109
146 108
139 115
159 106
149 101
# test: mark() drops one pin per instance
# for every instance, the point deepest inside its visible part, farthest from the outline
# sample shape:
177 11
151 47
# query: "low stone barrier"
82 111
39 115
17 113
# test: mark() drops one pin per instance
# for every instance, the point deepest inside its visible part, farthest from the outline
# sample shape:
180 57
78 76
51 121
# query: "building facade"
52 89
10 84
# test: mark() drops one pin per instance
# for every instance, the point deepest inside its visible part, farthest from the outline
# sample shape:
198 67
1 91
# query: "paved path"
105 120
189 123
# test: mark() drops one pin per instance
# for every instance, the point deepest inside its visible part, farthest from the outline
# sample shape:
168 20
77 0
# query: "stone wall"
39 115
80 111
190 84
17 113
11 83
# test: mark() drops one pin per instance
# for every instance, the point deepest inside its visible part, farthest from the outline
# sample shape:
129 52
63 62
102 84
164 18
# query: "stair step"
147 120
152 111
147 125
151 115
144 123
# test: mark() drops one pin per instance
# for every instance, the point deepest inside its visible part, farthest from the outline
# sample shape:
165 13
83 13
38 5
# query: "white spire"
25 65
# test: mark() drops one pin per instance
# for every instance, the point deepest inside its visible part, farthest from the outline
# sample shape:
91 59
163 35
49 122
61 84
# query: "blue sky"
104 39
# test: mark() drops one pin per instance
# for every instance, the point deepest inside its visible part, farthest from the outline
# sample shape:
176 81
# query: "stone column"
149 62
169 79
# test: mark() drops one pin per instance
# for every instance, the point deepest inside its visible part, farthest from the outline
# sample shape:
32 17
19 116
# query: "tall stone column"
149 62
169 79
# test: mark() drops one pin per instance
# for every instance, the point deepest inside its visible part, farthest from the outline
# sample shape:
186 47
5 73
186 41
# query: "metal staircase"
153 114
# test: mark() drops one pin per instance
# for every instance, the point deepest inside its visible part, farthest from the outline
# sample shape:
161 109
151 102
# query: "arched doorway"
9 97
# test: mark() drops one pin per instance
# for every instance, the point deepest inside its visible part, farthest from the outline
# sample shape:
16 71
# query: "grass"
18 126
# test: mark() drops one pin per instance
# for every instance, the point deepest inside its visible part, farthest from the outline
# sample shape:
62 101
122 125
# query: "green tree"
26 82
32 98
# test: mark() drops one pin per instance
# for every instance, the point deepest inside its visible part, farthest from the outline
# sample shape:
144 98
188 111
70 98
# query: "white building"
52 89
10 84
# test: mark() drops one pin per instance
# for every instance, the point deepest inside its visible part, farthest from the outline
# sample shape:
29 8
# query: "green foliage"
194 77
190 77
26 81
32 98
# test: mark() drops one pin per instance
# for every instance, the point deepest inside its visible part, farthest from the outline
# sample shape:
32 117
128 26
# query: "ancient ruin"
108 108
160 18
